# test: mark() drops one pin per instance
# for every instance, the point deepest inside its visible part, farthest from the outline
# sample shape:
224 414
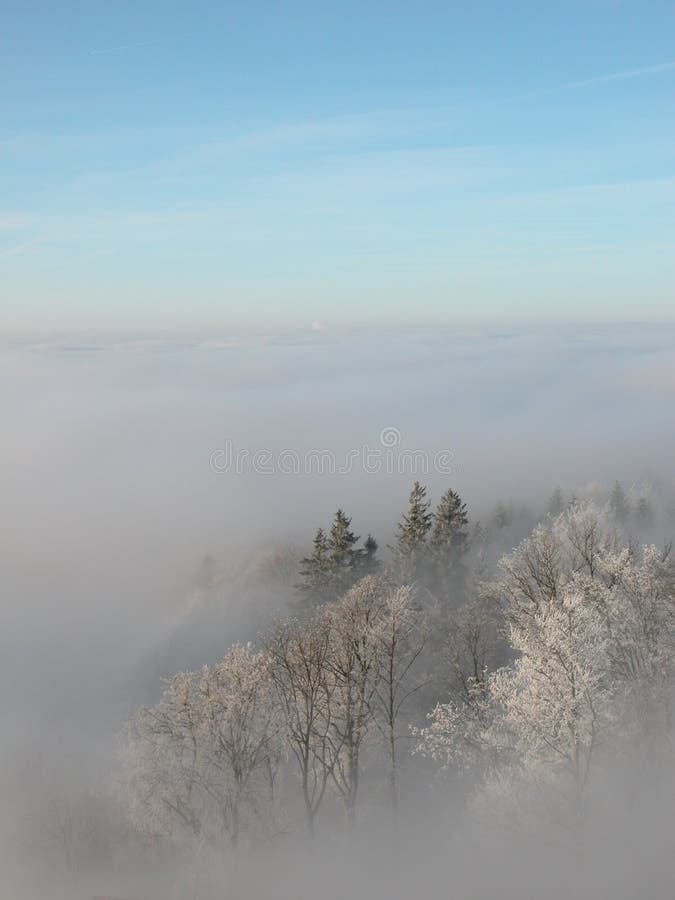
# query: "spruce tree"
316 572
449 543
410 551
450 524
369 564
618 503
344 557
645 512
341 539
335 564
502 516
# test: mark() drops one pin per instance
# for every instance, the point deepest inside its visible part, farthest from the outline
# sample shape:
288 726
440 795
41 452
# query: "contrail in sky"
626 75
623 76
102 50
17 249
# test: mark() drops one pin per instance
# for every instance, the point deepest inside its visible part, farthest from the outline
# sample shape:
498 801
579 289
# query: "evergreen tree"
449 533
344 556
478 537
410 551
449 543
618 503
369 563
502 516
316 572
342 540
335 564
645 512
556 504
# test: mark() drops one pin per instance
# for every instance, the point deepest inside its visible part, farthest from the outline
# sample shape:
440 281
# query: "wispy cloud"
626 75
394 122
73 260
12 222
162 40
18 249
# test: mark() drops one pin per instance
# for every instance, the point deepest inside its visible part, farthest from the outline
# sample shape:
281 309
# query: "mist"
130 551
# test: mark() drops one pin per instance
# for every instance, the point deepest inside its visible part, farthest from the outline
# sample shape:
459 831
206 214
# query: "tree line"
525 674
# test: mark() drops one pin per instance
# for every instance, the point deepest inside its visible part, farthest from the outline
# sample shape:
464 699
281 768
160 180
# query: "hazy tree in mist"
202 762
619 504
641 506
644 511
369 564
300 672
556 503
342 544
351 665
64 823
280 566
449 543
336 563
595 666
401 633
450 520
502 516
315 571
562 657
473 643
638 606
410 551
162 764
354 667
240 739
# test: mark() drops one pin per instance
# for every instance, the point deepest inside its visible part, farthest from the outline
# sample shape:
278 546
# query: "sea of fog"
127 458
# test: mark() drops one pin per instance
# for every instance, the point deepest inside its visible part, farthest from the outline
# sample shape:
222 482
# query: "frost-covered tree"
472 644
591 625
401 633
350 666
240 737
300 672
545 713
585 536
534 574
460 735
354 667
162 765
555 699
638 606
201 764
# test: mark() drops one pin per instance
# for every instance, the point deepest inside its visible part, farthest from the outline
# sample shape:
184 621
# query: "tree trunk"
393 774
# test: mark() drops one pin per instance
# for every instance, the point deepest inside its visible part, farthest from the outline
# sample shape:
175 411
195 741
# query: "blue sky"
272 164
